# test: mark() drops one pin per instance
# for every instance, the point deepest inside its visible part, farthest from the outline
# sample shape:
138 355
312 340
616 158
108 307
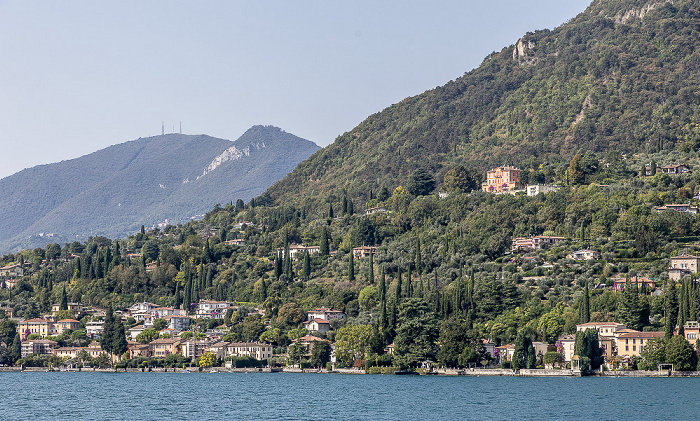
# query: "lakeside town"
548 304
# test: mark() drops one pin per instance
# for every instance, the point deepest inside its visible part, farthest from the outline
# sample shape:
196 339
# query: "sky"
78 76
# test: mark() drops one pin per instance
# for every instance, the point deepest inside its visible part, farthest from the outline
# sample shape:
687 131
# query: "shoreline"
441 373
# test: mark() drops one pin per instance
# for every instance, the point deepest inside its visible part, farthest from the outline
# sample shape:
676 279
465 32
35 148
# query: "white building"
535 189
324 313
210 309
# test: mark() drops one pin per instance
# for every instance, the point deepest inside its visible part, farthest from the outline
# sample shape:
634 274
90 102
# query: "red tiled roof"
643 335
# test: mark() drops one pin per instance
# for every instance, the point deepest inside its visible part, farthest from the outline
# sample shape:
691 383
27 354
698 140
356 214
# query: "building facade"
501 179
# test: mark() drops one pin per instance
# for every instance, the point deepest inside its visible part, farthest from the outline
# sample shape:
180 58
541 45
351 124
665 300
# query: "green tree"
351 267
64 299
324 248
271 335
629 310
575 173
681 354
416 333
16 349
368 298
119 343
147 335
320 353
108 330
460 180
420 182
355 342
588 347
652 354
296 353
160 324
460 345
253 327
670 309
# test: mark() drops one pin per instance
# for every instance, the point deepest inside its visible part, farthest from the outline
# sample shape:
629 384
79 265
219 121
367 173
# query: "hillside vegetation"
623 75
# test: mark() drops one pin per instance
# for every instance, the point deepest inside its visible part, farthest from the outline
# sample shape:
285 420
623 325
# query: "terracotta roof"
166 341
35 320
600 324
310 338
68 321
643 335
319 321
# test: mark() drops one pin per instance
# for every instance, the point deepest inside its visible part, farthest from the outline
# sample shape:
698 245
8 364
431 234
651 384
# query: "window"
634 347
634 341
627 348
627 341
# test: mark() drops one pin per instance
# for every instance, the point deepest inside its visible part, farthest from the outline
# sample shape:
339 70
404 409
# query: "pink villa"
501 179
638 281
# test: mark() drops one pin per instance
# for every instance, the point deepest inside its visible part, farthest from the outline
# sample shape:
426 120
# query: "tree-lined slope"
622 75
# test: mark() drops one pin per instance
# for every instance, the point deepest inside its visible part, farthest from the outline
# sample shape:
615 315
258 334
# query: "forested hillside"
623 75
115 190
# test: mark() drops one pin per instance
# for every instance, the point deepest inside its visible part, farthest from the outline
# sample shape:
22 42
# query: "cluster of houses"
318 321
615 339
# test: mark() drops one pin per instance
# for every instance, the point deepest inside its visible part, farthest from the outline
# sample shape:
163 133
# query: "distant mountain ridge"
624 75
115 190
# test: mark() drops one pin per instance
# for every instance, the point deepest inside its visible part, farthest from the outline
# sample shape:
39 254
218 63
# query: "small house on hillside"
584 254
685 264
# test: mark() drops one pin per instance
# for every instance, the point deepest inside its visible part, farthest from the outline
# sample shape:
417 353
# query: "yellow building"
163 347
631 344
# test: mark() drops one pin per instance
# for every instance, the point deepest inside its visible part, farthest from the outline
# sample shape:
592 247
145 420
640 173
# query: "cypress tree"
399 287
382 301
307 266
330 211
16 349
188 295
586 305
409 283
178 299
371 267
119 344
108 332
670 308
351 267
64 299
419 264
324 249
209 277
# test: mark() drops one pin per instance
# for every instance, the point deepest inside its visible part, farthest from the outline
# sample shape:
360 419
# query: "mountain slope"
623 75
115 190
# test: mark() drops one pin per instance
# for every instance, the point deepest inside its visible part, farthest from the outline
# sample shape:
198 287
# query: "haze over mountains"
623 76
113 191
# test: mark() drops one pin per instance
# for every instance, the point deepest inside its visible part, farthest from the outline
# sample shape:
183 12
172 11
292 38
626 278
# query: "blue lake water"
286 396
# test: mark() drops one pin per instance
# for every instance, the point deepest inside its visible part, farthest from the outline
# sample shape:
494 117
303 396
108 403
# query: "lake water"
287 396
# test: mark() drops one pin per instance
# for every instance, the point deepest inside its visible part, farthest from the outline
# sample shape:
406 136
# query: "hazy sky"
77 76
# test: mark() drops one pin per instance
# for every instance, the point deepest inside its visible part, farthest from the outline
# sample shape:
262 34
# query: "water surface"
287 396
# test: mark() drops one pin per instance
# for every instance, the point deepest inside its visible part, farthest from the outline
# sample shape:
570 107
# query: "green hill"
114 191
623 76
